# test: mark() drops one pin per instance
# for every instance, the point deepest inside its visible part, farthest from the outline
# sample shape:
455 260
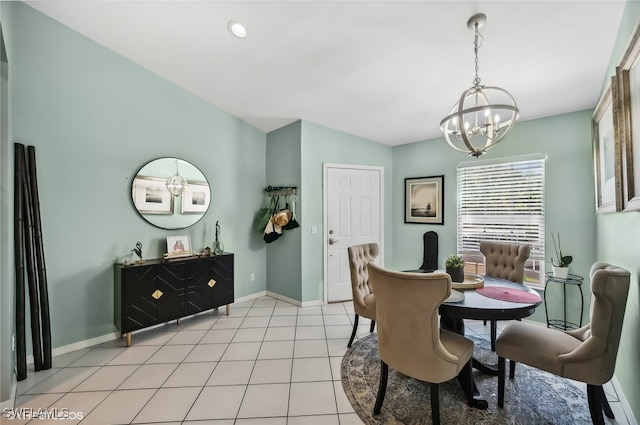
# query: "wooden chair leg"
435 404
501 377
469 383
595 406
494 334
382 389
606 407
512 369
353 333
373 326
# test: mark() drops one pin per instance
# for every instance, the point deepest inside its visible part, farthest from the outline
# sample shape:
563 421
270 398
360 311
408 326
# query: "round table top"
480 307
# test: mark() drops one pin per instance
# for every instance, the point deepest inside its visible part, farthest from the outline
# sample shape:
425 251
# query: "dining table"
496 299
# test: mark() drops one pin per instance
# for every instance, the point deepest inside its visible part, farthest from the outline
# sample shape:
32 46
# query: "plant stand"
571 280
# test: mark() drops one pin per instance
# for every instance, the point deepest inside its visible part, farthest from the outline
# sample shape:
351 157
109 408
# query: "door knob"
332 241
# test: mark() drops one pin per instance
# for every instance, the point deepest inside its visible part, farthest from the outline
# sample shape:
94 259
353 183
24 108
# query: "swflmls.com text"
42 414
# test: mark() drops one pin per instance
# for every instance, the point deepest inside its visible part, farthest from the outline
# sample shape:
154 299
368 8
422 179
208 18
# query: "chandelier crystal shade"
176 184
484 115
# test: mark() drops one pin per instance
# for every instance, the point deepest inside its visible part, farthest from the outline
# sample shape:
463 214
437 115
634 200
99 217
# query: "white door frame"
325 167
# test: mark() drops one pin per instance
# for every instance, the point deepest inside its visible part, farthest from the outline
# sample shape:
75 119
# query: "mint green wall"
6 230
95 118
565 139
323 145
284 256
618 236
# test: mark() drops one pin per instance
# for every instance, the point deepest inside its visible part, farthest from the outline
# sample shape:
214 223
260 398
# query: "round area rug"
534 397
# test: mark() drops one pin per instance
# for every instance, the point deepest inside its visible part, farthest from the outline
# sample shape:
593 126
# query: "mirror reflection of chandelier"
484 115
176 183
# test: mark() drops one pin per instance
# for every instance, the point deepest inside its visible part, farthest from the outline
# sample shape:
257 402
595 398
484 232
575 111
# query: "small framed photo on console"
179 246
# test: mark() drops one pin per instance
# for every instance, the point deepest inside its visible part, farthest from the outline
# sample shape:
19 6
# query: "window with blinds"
502 201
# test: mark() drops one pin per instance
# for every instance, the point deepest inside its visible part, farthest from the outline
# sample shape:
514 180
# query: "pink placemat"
509 294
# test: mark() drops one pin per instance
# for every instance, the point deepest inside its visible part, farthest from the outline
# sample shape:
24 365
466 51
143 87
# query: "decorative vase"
560 272
456 273
218 248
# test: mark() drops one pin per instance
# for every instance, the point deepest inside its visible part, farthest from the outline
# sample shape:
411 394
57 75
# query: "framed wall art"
628 75
150 195
606 151
196 198
424 200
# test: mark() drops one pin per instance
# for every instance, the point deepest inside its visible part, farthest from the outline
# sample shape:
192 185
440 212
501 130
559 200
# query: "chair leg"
501 377
353 333
606 407
382 389
512 369
494 334
595 405
435 404
373 326
468 368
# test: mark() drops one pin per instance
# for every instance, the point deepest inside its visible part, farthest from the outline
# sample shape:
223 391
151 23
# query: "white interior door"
353 216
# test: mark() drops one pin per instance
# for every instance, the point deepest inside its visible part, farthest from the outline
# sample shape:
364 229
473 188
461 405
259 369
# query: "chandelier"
484 115
176 183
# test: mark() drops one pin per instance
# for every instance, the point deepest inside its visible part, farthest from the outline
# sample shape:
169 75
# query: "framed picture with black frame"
424 200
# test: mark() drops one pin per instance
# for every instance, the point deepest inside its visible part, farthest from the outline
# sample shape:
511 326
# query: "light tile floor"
267 363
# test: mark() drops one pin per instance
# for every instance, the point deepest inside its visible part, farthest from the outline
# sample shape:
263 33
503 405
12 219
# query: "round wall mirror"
152 199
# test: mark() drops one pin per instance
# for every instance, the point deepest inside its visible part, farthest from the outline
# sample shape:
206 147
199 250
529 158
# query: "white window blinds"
502 202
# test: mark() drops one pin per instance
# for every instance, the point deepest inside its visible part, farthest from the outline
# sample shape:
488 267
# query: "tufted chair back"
409 326
359 257
505 260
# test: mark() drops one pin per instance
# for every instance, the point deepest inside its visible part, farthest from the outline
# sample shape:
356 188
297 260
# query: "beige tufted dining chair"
504 261
410 339
587 354
364 303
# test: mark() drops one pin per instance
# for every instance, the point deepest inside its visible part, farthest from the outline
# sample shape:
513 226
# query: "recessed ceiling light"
237 29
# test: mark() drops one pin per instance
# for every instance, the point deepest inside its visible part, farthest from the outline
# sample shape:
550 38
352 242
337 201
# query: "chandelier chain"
476 79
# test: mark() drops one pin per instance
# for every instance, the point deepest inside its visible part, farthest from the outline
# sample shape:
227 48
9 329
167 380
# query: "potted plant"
560 262
455 268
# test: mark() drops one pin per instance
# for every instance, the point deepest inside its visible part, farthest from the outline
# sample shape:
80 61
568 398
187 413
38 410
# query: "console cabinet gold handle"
157 294
211 283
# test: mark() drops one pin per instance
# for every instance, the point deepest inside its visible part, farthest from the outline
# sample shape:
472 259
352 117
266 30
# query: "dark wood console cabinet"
157 291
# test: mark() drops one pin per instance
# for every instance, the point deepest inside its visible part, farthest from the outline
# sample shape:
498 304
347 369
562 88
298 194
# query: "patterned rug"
533 398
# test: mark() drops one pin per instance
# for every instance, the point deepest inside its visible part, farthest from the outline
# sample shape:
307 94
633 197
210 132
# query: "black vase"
456 273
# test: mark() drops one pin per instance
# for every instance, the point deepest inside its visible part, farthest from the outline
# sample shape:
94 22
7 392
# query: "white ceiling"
387 71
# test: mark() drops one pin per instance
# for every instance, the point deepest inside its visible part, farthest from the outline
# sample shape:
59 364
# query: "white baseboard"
11 401
279 297
250 297
295 302
79 345
623 402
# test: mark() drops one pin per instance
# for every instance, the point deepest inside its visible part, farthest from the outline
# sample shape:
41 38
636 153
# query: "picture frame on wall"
606 151
628 75
150 195
424 200
195 198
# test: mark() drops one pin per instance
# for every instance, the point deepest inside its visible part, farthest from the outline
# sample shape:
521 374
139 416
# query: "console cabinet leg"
228 309
178 321
128 338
